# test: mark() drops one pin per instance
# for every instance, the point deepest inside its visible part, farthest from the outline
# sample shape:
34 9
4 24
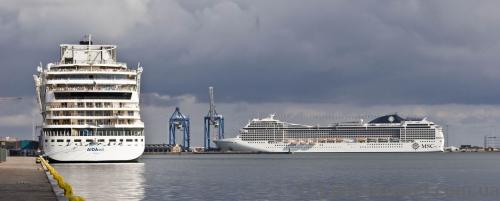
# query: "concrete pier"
22 179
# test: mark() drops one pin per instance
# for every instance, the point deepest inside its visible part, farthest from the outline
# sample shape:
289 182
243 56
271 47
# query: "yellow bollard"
68 190
60 183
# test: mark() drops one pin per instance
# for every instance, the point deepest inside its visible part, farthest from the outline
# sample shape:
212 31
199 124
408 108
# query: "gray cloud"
382 54
368 52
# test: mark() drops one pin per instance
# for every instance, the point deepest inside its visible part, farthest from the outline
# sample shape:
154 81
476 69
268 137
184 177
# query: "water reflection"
107 181
339 176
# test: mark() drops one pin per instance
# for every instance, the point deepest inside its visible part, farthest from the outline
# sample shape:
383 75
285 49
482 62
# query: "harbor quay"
21 178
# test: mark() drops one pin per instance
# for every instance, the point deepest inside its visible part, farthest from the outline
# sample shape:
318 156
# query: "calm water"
384 177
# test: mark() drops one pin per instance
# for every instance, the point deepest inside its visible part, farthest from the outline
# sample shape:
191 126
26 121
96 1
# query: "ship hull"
236 144
94 152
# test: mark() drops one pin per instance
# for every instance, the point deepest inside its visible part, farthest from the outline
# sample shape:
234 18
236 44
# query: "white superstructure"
389 133
90 105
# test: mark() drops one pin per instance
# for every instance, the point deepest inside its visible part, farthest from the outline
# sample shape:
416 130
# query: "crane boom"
211 111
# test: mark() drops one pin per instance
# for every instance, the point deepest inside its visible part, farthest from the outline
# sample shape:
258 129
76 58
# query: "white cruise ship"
389 133
90 106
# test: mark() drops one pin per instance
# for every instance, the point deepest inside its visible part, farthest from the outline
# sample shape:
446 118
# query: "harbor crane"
213 122
178 121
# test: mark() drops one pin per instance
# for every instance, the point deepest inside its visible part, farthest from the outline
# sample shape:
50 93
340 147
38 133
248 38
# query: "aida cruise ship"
389 133
89 104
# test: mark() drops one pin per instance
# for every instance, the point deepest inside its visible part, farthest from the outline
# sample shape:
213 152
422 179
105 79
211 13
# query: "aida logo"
95 149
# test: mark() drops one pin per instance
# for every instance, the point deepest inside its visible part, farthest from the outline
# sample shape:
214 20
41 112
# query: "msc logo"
415 146
423 146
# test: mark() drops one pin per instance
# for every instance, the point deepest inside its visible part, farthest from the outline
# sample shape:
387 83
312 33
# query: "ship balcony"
75 69
74 81
92 106
96 62
59 117
93 88
60 108
137 124
85 71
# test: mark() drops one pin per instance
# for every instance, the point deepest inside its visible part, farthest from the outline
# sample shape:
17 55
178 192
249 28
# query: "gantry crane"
178 121
213 121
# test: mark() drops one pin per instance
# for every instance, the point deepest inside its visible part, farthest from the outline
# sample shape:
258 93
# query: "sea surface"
312 176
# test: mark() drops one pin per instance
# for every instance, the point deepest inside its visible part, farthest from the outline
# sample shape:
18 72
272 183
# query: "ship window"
100 140
88 140
142 140
77 140
136 140
68 140
121 140
51 140
112 140
46 140
60 140
129 140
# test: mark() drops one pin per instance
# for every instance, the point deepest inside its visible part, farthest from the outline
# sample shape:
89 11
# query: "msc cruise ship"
389 133
89 104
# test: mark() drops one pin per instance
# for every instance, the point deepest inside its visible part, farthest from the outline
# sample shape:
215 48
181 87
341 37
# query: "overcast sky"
313 62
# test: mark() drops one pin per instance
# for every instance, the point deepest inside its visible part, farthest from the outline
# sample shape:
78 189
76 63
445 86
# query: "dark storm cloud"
362 52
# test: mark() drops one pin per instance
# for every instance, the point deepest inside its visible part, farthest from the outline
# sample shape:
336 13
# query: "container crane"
213 121
178 121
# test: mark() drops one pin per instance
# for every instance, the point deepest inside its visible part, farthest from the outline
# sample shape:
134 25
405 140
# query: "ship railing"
86 69
116 88
113 79
94 107
90 62
101 125
110 116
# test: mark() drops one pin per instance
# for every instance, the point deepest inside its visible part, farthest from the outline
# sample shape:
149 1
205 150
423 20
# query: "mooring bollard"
68 190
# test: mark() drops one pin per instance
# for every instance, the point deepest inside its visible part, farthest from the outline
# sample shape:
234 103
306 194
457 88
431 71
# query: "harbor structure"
492 142
179 121
213 123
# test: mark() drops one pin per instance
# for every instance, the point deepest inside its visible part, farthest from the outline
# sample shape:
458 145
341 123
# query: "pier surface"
22 179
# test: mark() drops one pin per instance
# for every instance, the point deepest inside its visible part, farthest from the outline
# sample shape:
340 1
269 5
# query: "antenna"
89 37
